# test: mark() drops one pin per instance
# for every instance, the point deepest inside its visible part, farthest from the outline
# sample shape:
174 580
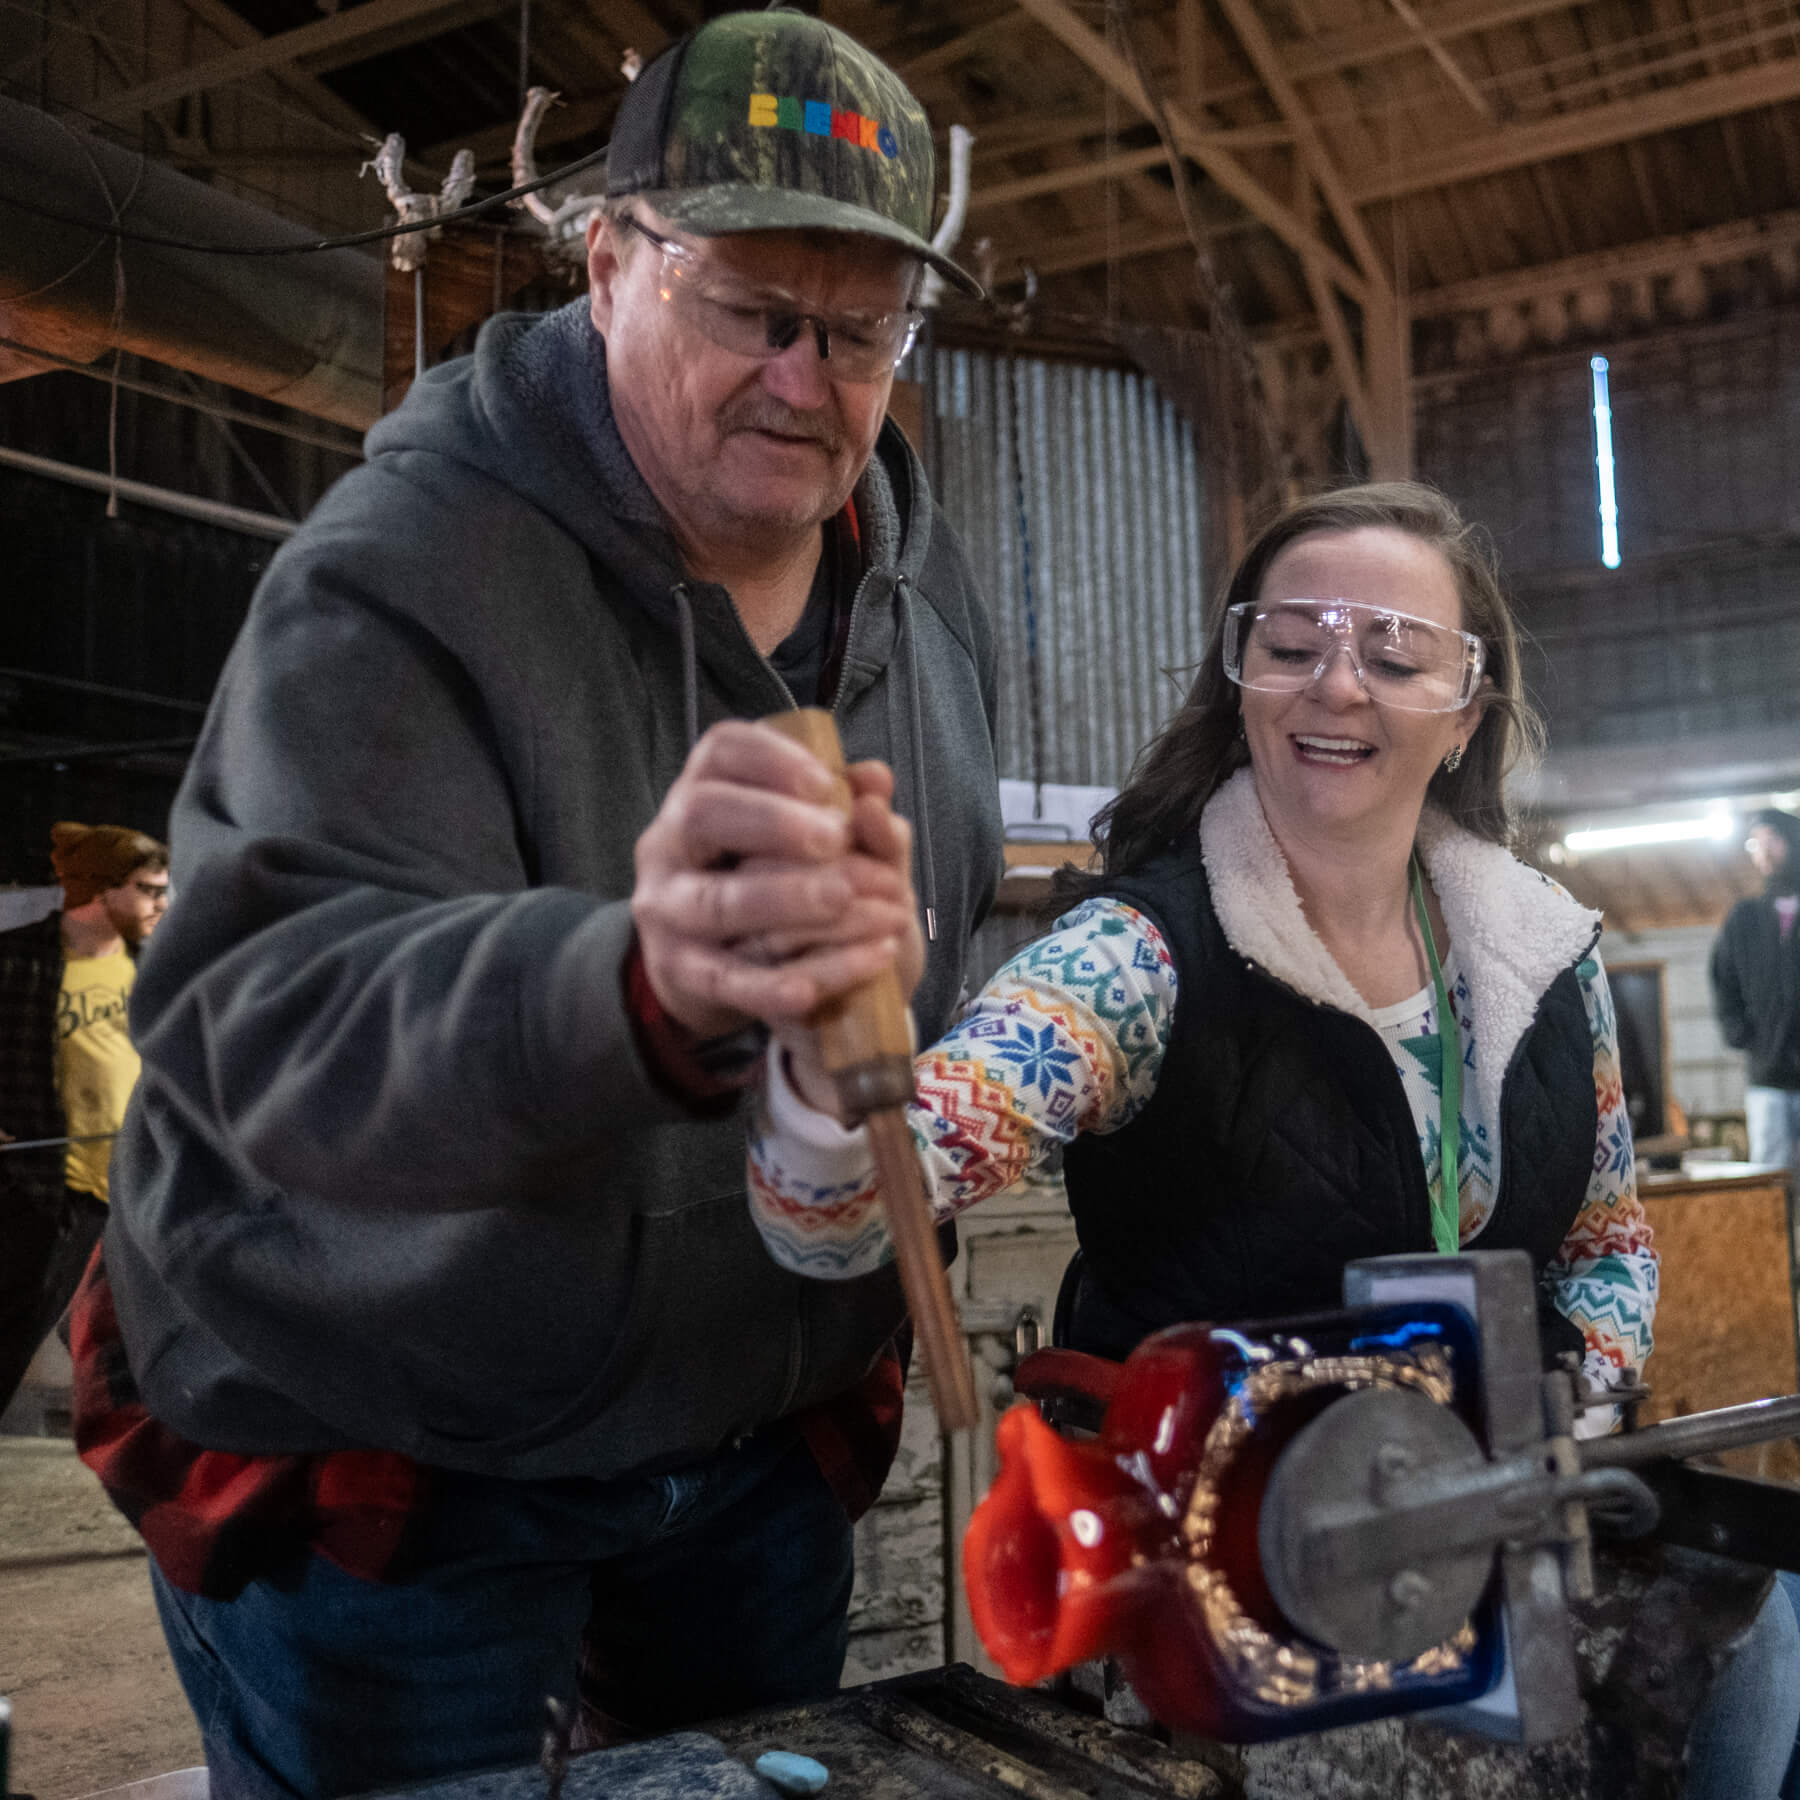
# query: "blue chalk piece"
791 1772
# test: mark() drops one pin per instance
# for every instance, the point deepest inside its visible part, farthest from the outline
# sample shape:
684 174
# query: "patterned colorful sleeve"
1068 1037
1603 1280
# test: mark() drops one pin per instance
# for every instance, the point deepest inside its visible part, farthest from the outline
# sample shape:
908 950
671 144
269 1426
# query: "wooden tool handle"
865 1043
871 1022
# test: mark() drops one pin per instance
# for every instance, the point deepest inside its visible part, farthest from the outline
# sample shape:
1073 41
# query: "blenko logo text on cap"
819 118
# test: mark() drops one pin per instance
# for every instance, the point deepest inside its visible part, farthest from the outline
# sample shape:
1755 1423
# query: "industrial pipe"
302 330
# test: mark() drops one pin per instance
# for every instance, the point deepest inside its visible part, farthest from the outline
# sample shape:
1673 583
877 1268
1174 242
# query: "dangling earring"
1453 761
1242 735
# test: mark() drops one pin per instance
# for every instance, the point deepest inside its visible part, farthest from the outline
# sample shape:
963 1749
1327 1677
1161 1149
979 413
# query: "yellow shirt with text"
96 1065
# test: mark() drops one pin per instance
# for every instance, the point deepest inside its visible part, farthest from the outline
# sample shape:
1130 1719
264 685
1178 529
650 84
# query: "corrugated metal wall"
1113 509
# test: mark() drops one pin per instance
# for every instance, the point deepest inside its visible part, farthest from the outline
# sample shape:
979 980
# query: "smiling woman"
1310 1009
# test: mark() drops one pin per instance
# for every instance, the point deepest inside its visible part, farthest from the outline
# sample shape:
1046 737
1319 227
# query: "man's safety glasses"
762 322
1400 661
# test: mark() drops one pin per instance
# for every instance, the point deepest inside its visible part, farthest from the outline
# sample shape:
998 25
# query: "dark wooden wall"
1697 633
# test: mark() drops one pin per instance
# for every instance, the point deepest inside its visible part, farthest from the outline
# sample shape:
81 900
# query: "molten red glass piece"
1143 1543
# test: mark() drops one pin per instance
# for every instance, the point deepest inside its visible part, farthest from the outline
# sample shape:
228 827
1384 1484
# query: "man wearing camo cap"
433 1348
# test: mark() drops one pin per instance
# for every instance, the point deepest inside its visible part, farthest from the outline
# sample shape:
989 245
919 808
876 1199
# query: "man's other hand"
756 898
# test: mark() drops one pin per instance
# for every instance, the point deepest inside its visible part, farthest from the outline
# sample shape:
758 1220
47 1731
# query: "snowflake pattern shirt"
1069 1037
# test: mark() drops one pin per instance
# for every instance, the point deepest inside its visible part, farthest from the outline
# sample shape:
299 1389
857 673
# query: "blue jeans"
1742 1745
1773 1116
719 1587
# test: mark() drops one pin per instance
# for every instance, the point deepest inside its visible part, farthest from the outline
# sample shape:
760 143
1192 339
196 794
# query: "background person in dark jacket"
67 1068
433 1342
1756 988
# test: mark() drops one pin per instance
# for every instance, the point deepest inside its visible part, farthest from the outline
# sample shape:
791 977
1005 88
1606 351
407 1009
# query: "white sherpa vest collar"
1514 930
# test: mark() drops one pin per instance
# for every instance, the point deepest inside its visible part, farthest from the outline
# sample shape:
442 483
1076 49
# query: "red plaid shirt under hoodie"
214 1520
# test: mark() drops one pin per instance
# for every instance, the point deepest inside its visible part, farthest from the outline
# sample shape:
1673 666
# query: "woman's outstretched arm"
1068 1037
1603 1280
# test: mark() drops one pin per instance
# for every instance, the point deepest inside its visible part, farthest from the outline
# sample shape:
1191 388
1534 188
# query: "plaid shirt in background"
215 1520
31 973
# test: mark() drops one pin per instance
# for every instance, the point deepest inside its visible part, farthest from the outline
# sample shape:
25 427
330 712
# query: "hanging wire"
1034 671
419 323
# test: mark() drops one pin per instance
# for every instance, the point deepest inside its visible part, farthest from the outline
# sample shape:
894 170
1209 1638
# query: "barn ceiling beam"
1032 131
312 93
1380 39
328 36
1055 181
1110 168
1592 128
958 49
1453 71
1260 48
1059 18
1630 262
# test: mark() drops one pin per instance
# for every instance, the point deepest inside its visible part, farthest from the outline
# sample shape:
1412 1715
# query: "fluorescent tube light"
1716 825
1603 462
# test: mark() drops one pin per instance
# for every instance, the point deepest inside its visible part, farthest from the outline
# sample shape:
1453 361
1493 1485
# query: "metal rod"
189 506
104 689
89 1137
24 759
246 461
1698 1434
323 440
419 323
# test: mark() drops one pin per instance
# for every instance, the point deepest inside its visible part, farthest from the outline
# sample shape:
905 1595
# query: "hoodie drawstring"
909 672
909 663
690 663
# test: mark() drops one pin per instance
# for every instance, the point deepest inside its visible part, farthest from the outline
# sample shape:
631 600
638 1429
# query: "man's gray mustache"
784 422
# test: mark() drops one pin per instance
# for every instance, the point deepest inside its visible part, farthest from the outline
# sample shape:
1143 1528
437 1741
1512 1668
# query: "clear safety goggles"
1401 661
763 322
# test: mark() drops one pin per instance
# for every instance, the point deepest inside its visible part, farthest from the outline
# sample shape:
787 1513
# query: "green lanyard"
1446 1192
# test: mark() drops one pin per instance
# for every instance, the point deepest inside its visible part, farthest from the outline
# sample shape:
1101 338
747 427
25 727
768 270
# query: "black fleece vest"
1279 1145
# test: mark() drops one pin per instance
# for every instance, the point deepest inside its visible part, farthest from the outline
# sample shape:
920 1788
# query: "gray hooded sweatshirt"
396 1174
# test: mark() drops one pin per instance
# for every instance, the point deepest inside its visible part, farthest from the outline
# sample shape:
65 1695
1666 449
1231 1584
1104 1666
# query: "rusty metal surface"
1649 1648
952 1734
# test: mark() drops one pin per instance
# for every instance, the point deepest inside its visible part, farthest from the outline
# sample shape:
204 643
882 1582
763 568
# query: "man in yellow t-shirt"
67 1068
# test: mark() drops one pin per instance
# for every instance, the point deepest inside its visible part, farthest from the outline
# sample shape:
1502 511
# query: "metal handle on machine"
865 1043
1698 1434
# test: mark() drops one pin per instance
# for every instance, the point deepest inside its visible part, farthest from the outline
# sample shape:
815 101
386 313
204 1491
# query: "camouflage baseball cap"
765 121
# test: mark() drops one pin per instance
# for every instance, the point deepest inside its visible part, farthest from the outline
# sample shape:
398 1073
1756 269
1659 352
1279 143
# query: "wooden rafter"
1260 48
1591 128
1438 51
1059 18
1053 181
329 36
239 33
1380 39
1722 243
959 49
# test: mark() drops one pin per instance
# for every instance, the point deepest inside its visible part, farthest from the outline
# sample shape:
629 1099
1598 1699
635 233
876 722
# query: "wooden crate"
1725 1318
